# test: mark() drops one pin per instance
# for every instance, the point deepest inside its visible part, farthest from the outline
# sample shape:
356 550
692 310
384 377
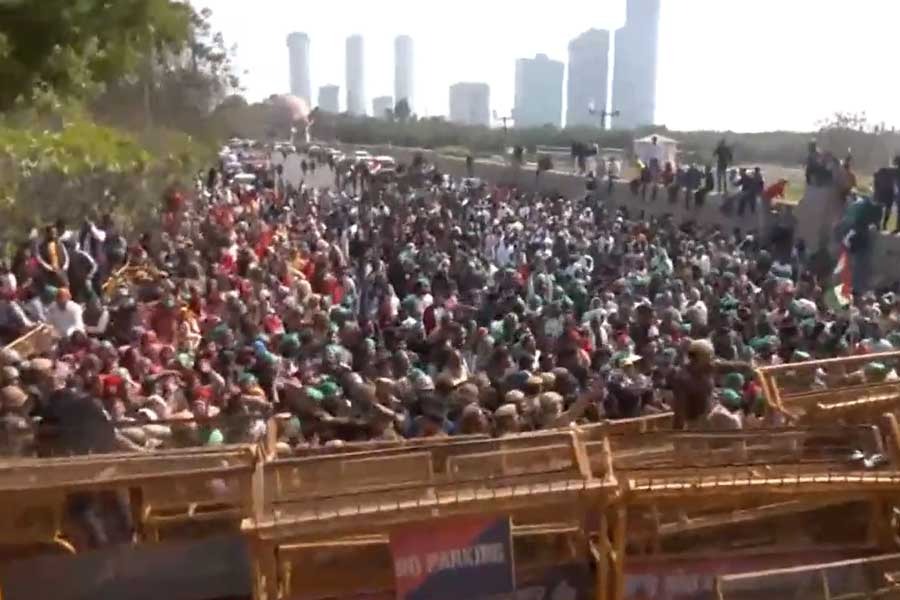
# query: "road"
293 174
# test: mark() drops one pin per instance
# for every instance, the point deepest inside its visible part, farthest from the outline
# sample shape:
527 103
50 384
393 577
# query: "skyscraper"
588 77
381 105
470 104
329 98
298 58
634 78
403 69
539 83
356 93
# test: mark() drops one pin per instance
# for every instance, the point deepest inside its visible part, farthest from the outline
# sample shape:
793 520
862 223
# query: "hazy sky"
723 64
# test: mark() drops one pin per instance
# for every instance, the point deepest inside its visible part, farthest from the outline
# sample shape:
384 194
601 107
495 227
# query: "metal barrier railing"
806 391
871 577
280 498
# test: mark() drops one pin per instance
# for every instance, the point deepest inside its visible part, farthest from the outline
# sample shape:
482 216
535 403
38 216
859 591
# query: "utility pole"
505 121
603 114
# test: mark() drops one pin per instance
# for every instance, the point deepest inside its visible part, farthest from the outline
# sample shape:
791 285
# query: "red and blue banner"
451 559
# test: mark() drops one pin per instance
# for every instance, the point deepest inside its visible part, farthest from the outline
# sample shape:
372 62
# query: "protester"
414 306
724 156
885 183
613 173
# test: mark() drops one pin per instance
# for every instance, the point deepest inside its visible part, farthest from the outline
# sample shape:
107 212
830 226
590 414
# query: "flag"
840 294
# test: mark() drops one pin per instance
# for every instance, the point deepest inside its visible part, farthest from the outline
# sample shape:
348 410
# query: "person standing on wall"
884 183
655 164
613 172
724 157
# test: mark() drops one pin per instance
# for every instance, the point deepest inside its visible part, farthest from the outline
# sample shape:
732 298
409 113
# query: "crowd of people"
416 306
743 189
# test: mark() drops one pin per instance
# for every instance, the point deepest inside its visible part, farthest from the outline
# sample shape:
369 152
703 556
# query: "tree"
234 102
84 168
845 120
71 48
179 85
846 133
61 58
402 110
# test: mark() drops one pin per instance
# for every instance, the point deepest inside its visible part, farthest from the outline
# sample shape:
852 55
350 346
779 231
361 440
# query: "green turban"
734 381
875 369
220 331
215 438
800 356
411 305
728 303
341 315
292 427
313 394
758 343
290 343
731 399
760 405
49 294
329 388
808 326
894 339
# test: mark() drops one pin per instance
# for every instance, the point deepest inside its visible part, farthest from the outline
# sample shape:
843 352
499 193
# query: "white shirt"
65 320
553 327
699 311
614 168
504 253
722 418
8 282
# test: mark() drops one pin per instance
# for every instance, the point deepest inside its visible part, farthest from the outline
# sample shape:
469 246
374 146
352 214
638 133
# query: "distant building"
588 77
381 105
356 93
329 98
403 69
298 59
470 104
634 77
539 83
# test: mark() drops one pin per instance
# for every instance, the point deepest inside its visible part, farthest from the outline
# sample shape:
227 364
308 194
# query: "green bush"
82 169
